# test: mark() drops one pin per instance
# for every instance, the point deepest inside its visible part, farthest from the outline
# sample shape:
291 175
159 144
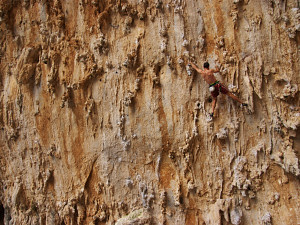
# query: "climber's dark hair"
206 65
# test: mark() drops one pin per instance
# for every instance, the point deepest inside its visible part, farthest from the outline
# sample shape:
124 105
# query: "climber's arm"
216 70
196 68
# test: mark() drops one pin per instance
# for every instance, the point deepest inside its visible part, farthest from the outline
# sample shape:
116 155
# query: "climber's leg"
234 97
214 102
225 91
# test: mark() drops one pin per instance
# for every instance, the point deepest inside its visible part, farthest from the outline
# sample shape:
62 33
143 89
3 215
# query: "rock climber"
215 87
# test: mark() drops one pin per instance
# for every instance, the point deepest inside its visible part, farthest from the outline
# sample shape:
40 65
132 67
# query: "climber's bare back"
208 75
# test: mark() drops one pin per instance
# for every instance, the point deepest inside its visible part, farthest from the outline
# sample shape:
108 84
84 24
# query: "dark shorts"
219 87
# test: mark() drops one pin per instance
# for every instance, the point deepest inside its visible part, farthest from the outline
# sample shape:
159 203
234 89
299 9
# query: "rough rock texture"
103 121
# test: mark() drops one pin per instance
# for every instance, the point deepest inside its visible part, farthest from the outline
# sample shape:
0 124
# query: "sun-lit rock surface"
103 121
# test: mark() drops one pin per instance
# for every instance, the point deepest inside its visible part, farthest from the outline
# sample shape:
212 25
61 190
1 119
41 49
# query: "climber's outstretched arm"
216 70
196 68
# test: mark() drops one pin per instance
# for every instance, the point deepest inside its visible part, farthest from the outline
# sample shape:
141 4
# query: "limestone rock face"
103 120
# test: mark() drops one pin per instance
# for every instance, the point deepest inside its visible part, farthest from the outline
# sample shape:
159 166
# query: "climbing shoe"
244 104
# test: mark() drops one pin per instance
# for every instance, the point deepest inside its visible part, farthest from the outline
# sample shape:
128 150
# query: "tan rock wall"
103 121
